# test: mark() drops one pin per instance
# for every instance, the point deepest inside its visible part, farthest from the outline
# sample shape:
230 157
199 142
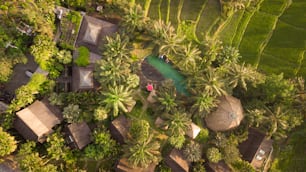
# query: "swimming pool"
169 72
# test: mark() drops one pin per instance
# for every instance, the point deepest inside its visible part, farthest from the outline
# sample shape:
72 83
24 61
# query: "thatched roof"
124 166
256 148
193 131
176 161
92 31
227 116
80 133
36 121
119 128
221 166
82 78
3 107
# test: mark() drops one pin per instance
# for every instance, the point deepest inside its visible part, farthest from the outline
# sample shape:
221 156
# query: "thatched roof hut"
119 128
221 166
227 116
256 149
92 31
124 166
80 133
176 161
36 121
83 79
193 131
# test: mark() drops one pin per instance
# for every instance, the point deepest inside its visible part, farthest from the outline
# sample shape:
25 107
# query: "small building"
228 115
79 135
92 32
3 107
257 149
82 78
176 161
119 128
193 131
221 166
37 120
124 166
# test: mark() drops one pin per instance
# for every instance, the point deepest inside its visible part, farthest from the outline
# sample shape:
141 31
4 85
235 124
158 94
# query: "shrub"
83 58
203 136
213 155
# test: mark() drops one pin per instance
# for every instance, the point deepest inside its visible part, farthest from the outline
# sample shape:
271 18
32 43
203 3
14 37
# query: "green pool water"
169 72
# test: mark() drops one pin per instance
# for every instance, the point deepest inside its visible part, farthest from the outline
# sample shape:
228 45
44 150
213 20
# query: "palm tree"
188 57
166 96
192 152
240 75
282 121
116 47
112 71
178 123
142 154
171 44
134 19
118 97
210 81
203 104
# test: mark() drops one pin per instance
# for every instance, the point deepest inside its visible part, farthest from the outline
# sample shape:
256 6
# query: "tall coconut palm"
134 19
282 120
142 154
112 71
116 47
203 104
118 97
188 56
178 123
210 81
171 44
240 75
166 96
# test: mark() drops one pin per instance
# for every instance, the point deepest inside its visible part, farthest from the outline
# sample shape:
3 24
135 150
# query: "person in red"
150 87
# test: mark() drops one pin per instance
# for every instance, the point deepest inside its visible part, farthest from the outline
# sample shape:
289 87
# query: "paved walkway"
19 77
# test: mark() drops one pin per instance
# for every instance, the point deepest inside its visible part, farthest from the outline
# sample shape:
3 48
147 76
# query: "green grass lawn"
228 32
209 19
271 35
256 33
191 9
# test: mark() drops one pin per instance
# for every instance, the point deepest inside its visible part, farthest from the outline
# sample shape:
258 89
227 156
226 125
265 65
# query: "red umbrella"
150 87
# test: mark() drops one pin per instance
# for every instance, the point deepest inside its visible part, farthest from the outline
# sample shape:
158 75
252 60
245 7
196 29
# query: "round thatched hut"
227 116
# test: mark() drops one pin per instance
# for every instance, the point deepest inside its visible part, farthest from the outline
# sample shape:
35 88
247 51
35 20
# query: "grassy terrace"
270 35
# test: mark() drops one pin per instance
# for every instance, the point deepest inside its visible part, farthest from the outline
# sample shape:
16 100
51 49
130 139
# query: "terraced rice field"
271 35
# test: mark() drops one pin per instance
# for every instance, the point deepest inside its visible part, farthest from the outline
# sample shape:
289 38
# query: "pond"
167 70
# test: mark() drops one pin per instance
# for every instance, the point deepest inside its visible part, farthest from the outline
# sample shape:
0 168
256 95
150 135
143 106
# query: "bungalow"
124 166
119 128
37 120
228 115
92 32
221 166
79 135
257 149
176 161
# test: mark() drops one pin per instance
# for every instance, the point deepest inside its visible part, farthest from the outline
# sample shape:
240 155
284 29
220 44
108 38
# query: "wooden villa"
119 128
92 32
79 135
257 149
176 161
124 166
228 115
221 166
36 121
193 131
